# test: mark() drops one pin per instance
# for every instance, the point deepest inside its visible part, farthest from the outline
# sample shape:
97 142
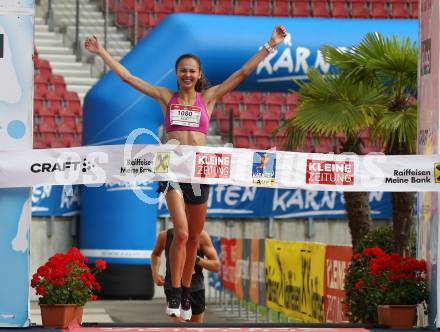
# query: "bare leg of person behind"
197 318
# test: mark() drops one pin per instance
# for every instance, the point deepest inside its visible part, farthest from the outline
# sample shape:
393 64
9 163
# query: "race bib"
181 115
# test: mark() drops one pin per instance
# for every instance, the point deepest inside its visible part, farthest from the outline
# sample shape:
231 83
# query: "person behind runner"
206 259
187 208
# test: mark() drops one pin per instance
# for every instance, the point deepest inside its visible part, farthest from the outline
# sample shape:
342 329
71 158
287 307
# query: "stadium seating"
57 111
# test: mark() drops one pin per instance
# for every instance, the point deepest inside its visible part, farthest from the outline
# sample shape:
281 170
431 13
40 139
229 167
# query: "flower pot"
396 316
60 315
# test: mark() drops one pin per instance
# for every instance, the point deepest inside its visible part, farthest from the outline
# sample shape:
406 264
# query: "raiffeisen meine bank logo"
145 167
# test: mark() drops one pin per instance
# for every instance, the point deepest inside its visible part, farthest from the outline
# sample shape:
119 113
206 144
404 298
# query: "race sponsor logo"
437 172
263 168
138 165
52 167
330 172
213 165
410 175
162 162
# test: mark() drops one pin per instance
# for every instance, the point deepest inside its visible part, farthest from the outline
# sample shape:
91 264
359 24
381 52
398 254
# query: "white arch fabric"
94 165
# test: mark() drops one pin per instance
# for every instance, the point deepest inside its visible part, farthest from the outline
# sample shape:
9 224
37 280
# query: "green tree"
373 87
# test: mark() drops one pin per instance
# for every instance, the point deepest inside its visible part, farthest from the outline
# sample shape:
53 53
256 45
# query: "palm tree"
376 78
331 105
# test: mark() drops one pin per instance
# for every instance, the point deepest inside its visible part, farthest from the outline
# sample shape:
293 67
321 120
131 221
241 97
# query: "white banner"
95 165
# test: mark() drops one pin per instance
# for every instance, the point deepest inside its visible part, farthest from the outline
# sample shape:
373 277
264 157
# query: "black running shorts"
193 193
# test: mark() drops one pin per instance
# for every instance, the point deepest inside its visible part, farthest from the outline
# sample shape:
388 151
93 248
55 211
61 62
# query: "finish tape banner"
95 165
295 279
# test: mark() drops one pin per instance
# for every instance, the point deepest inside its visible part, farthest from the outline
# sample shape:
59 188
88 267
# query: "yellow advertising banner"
295 279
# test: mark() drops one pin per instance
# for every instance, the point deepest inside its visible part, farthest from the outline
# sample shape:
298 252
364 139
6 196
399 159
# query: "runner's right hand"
92 44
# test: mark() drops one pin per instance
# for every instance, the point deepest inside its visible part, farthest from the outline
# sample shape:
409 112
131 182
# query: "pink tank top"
187 118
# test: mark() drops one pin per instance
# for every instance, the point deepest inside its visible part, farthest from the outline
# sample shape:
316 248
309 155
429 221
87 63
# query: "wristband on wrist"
198 258
268 48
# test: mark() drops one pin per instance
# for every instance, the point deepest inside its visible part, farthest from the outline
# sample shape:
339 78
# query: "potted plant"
65 283
380 283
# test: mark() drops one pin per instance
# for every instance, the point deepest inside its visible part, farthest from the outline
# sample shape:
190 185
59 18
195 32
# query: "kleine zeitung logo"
213 165
330 172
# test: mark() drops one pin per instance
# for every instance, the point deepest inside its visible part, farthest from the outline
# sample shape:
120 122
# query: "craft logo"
330 172
162 162
213 165
437 172
138 165
263 168
84 166
2 42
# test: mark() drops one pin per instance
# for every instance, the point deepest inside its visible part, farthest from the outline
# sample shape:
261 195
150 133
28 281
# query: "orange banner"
337 259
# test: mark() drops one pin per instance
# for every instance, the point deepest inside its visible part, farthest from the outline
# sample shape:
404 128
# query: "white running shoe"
185 307
173 307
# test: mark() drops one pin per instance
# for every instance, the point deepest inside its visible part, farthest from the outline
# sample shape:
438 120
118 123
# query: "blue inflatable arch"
114 222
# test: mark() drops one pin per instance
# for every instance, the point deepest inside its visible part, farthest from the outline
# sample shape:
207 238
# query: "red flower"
101 264
66 278
41 290
359 284
93 297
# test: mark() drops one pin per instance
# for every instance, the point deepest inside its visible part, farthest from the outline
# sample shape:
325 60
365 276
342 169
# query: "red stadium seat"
281 8
164 6
290 110
262 138
58 84
243 7
292 99
248 121
78 128
47 124
241 137
203 7
252 102
41 86
414 8
300 8
72 99
271 120
399 9
232 101
183 6
43 68
273 102
54 99
339 9
359 9
324 145
223 7
66 128
46 138
66 112
379 9
49 110
320 8
262 8
146 6
223 122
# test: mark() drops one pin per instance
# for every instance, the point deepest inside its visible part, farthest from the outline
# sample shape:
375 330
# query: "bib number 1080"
185 113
